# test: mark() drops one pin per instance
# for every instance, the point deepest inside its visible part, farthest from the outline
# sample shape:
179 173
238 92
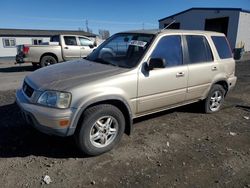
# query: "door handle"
214 68
66 48
82 48
180 74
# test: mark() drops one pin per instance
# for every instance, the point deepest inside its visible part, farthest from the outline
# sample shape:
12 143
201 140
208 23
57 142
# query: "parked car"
60 48
95 99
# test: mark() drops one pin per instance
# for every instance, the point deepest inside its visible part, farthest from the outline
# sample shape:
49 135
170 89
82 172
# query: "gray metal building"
233 22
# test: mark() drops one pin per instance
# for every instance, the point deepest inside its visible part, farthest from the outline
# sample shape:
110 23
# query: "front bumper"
45 119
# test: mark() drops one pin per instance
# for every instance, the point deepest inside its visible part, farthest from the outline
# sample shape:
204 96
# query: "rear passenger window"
71 41
55 38
222 47
199 50
169 49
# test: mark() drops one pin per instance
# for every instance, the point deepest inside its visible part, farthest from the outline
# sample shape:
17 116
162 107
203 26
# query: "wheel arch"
224 84
49 54
121 104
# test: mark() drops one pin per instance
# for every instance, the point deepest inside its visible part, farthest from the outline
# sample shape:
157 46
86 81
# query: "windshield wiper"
99 60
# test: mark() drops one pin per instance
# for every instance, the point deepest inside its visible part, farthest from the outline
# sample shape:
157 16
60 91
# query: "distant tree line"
103 33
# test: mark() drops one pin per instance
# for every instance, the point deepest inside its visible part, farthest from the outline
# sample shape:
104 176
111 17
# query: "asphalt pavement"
12 75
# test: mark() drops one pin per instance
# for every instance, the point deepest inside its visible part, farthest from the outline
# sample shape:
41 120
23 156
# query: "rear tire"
214 100
47 60
101 129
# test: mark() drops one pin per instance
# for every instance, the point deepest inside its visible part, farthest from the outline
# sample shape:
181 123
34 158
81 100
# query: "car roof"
70 35
172 31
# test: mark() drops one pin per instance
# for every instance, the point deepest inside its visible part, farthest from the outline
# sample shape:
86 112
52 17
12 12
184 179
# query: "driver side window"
85 42
169 48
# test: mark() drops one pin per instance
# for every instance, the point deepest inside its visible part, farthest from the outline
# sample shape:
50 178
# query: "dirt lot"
177 148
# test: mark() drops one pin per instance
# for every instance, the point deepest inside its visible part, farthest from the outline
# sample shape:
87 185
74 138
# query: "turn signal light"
64 123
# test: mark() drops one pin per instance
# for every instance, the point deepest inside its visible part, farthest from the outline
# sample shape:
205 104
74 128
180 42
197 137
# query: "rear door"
86 46
201 65
163 87
71 50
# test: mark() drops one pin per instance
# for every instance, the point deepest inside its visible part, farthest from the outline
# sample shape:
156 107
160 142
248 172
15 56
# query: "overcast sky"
113 15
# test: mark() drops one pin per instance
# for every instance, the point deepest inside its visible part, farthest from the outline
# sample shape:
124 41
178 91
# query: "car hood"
64 76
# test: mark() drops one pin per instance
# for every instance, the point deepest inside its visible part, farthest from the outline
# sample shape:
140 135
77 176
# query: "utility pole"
87 25
142 25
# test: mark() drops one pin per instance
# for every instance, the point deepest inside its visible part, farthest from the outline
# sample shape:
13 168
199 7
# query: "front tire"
101 129
215 98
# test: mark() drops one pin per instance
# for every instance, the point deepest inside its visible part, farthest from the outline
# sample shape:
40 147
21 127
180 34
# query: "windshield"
123 50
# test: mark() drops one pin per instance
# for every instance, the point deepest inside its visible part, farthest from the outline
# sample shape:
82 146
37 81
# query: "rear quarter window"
55 38
222 47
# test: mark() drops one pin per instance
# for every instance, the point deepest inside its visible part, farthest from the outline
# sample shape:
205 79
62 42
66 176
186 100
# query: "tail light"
26 49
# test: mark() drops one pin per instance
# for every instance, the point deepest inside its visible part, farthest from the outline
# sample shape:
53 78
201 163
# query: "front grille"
27 89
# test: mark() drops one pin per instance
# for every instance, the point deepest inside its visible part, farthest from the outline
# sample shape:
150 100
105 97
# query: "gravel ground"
176 148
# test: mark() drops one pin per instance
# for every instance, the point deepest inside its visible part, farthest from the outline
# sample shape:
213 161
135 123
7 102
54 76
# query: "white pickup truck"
60 48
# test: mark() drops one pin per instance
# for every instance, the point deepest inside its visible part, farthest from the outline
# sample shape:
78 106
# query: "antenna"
168 25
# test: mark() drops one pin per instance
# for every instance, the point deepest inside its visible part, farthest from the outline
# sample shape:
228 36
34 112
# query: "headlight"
55 99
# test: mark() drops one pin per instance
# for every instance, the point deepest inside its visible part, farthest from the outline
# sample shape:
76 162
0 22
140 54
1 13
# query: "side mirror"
92 44
155 63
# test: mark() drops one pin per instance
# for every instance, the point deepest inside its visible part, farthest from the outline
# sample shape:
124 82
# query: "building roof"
199 8
41 33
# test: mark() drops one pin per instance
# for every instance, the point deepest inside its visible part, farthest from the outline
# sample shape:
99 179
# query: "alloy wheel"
104 131
215 101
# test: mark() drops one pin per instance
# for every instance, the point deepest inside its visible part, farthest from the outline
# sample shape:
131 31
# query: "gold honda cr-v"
131 74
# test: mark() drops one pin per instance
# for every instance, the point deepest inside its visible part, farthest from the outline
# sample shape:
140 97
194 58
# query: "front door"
86 46
163 87
71 50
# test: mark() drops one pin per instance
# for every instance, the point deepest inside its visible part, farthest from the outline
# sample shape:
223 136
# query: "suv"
131 74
